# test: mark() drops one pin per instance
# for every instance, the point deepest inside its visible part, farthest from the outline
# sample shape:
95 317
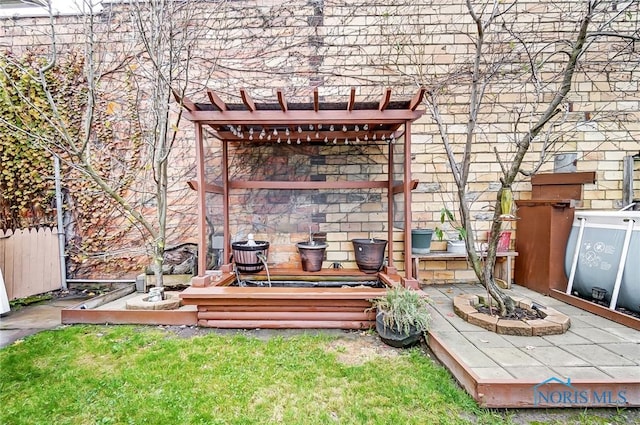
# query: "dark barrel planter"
311 255
369 254
246 256
421 241
393 337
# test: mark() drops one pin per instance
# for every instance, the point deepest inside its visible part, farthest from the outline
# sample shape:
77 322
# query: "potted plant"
439 243
456 244
402 316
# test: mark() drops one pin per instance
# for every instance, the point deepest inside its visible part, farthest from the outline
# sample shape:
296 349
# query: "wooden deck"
224 306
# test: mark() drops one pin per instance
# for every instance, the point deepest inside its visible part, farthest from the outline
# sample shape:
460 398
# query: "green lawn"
138 375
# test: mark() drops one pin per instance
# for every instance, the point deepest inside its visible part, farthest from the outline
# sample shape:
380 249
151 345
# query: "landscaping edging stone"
171 302
552 322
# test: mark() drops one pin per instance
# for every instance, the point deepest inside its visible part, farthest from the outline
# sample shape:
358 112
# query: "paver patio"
595 356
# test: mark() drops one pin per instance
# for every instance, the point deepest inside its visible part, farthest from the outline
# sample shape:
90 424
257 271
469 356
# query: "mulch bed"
518 314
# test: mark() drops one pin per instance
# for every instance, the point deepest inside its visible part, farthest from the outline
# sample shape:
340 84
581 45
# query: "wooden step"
286 324
278 307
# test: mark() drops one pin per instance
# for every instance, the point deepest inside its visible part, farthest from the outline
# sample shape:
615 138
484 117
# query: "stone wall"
300 45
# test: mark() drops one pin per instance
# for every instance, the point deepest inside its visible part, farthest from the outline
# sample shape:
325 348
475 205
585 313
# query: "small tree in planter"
402 316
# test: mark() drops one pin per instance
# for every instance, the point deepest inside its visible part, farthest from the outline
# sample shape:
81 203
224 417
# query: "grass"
144 375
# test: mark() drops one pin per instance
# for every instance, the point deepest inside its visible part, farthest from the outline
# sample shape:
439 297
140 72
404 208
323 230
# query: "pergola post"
408 269
200 280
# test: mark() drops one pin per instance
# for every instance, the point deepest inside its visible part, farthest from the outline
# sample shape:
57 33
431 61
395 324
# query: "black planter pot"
369 254
395 338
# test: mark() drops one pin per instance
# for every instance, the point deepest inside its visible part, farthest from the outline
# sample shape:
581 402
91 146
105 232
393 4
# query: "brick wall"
300 45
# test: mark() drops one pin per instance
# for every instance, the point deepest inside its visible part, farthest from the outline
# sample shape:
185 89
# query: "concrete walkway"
31 319
594 349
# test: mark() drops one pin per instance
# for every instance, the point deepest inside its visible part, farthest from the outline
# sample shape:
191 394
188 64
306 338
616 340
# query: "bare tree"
135 61
531 53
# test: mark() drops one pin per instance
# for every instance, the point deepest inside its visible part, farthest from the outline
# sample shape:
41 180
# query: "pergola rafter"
385 122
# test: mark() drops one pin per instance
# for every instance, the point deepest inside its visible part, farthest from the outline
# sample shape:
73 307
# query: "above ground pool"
606 266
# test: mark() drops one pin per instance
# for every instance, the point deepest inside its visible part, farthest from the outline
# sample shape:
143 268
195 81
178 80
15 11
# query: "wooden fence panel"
30 261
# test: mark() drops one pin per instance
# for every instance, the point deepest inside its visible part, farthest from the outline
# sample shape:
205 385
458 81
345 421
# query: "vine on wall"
26 187
30 134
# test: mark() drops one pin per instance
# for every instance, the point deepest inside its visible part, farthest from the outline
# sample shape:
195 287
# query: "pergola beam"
290 118
282 101
352 99
216 101
247 100
316 100
386 98
185 102
417 99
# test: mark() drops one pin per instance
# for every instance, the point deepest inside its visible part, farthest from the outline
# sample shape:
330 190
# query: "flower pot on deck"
395 337
246 255
369 254
311 255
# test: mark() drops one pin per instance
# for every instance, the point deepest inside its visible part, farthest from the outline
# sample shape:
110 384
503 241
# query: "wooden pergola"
385 121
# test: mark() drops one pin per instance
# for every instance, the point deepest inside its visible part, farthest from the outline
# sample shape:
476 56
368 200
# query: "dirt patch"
359 350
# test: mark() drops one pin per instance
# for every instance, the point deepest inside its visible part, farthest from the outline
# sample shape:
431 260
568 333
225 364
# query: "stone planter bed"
551 321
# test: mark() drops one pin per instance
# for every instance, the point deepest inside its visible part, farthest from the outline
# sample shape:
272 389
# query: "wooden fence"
30 261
